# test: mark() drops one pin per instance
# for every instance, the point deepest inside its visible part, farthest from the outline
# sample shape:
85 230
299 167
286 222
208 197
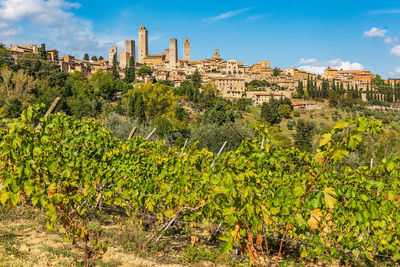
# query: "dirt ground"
25 241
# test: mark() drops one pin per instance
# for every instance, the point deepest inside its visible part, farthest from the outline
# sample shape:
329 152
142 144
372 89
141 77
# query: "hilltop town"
232 78
199 147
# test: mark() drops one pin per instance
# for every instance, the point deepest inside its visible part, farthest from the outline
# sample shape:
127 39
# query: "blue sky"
308 34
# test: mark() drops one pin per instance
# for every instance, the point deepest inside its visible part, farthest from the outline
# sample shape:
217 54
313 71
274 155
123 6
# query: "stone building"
166 53
143 43
154 61
124 59
186 50
173 53
130 47
230 87
52 55
113 52
129 52
216 53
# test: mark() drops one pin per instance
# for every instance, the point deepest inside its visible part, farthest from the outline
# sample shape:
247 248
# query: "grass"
10 243
198 254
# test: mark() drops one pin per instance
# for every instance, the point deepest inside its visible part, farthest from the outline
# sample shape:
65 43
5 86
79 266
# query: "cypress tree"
114 67
86 57
130 71
131 105
140 114
356 92
333 85
325 89
300 88
42 52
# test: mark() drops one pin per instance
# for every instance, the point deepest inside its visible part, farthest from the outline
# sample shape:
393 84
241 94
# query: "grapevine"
258 193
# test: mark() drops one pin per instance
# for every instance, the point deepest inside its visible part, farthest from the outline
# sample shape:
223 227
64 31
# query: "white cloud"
395 51
395 73
154 37
307 61
375 32
318 67
42 12
51 22
226 15
255 17
391 40
385 11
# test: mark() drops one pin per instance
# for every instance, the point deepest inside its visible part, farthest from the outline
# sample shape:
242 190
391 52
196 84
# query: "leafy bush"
212 136
13 109
291 125
121 126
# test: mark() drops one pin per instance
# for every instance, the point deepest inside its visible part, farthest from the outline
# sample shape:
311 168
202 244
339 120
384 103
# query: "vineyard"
265 200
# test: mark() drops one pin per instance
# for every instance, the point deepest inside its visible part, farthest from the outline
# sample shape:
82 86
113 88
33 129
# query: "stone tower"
124 59
186 49
173 52
216 53
113 51
166 53
143 43
130 47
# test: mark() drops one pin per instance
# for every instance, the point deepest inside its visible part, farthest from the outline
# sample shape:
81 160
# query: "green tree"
269 111
300 88
196 79
213 136
218 115
140 108
284 111
13 108
106 85
42 52
4 56
131 105
325 89
163 125
333 98
130 71
34 66
144 71
94 58
303 135
115 67
276 72
101 58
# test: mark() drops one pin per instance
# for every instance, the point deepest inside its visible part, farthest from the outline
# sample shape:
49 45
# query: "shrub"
122 126
291 125
212 136
13 109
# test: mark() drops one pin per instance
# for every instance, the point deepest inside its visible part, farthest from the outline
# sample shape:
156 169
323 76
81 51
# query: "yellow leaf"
330 199
194 240
314 219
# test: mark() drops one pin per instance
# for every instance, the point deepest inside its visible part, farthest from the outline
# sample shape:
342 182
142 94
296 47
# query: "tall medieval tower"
127 54
113 52
173 52
143 43
130 48
186 49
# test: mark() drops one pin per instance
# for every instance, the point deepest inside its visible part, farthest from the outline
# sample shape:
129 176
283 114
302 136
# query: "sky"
308 34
